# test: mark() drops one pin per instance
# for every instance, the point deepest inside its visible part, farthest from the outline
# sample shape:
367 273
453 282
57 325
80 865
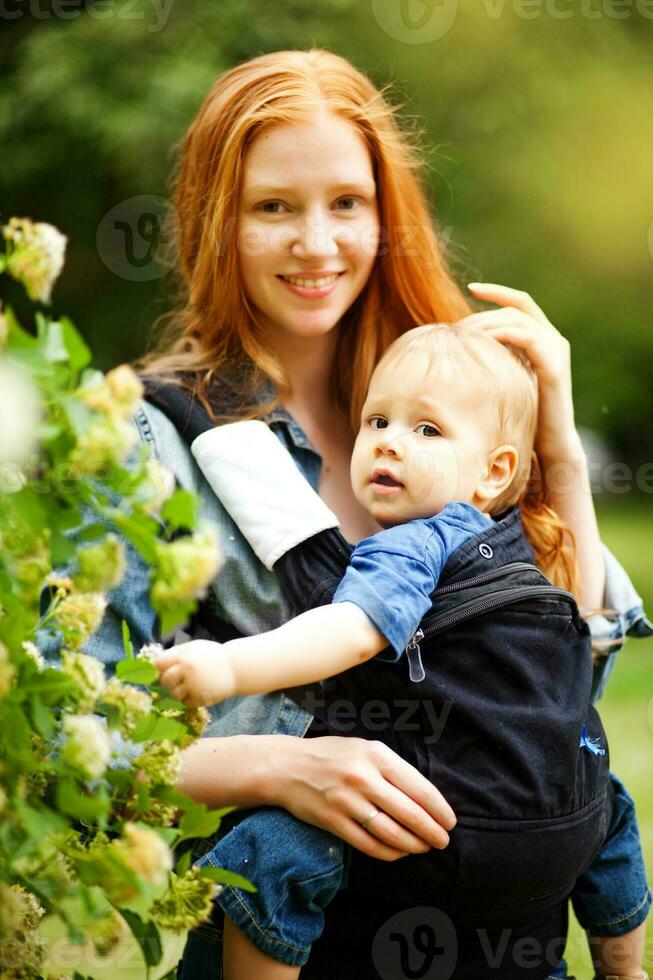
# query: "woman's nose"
315 236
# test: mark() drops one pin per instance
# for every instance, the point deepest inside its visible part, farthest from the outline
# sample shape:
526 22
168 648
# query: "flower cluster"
79 614
145 856
110 435
88 676
101 566
187 566
21 948
35 255
89 808
133 704
87 747
161 763
187 900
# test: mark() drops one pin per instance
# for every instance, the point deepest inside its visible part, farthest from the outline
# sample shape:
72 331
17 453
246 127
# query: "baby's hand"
198 673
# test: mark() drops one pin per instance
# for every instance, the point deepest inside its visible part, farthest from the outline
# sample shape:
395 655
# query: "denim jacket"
247 595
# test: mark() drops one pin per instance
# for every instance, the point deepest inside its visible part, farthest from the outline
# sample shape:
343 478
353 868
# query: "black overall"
507 677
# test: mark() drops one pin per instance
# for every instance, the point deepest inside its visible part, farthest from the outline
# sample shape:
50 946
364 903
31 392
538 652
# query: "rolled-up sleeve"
624 617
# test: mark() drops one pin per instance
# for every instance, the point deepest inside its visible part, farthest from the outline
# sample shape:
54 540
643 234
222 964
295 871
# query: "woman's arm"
521 322
318 644
330 782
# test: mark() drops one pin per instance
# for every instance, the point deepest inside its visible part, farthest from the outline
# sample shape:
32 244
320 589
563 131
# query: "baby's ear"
500 472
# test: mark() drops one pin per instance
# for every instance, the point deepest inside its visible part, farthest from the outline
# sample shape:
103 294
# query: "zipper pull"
416 670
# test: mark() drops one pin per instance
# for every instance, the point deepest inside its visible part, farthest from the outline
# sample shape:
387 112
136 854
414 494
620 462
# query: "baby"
442 456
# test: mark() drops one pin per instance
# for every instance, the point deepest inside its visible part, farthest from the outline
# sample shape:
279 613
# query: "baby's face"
424 439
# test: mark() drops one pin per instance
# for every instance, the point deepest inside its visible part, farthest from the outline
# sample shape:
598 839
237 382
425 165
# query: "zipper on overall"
468 610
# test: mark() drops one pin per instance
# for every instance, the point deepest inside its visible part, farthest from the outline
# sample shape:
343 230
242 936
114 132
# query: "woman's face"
308 225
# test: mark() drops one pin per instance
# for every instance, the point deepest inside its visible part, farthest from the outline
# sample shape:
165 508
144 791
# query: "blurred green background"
536 120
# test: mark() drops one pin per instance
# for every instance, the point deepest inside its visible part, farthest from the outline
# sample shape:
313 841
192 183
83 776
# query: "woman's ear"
500 472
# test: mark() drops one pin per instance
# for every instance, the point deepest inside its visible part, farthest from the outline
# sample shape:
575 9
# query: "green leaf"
147 936
41 717
18 338
183 864
53 342
172 619
51 684
156 728
71 800
127 644
79 353
224 877
137 671
180 510
199 822
91 532
143 539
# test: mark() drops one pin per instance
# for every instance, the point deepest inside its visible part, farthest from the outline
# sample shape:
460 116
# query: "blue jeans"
298 869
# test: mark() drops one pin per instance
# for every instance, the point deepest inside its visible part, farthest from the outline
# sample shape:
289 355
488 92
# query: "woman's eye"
270 204
427 430
350 200
376 422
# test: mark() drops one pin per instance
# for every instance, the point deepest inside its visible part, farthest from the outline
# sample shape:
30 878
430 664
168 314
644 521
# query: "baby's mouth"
385 479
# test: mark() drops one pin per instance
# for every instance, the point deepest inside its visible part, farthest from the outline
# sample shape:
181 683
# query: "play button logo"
415 21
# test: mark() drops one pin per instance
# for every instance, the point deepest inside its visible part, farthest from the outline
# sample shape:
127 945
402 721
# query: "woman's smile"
310 287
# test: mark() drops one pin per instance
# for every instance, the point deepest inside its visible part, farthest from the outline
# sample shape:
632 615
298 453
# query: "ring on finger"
368 820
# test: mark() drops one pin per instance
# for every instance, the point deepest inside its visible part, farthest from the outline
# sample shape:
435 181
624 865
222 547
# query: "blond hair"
514 400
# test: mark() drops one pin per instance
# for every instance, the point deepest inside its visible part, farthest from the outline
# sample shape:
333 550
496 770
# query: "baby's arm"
316 645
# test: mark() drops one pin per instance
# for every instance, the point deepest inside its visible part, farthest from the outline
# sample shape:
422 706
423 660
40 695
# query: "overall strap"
190 419
186 413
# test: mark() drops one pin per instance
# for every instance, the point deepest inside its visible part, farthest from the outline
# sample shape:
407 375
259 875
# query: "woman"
305 246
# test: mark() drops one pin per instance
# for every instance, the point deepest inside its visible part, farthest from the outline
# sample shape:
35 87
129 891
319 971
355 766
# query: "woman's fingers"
416 788
407 824
492 292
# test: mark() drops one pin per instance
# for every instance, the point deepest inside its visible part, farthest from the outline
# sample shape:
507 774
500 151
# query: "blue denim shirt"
249 596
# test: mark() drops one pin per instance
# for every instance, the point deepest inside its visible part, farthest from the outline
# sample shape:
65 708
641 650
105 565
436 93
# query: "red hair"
212 327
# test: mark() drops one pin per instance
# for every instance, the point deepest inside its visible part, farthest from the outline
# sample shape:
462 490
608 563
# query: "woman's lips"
311 292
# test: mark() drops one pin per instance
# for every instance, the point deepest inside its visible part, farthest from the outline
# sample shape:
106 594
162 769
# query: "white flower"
87 746
187 567
78 615
88 675
19 413
7 670
150 651
34 653
163 484
36 255
145 853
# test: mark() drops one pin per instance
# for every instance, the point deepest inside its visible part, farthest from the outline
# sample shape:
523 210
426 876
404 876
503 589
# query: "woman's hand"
338 783
521 322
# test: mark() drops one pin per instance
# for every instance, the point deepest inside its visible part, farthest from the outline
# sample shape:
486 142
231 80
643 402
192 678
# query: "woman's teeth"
311 283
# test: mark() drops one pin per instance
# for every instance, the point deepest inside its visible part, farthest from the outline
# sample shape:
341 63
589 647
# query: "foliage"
535 119
88 810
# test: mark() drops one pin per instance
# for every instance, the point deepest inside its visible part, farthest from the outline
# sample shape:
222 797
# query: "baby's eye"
427 430
378 422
